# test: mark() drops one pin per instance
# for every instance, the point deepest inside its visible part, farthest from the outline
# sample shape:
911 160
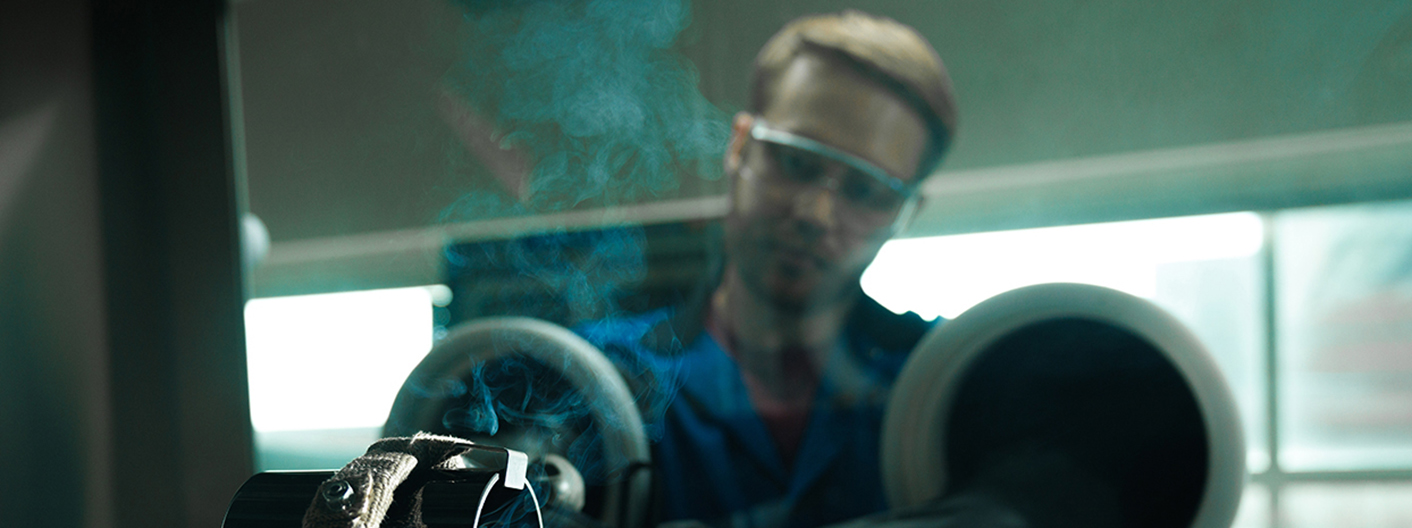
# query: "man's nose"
817 204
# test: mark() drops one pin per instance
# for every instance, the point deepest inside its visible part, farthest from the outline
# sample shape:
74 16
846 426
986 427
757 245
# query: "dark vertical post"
181 441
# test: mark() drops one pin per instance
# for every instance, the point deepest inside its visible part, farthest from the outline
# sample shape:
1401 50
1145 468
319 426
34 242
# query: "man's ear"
740 130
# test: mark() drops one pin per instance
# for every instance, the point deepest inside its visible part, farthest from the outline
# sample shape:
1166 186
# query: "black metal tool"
278 499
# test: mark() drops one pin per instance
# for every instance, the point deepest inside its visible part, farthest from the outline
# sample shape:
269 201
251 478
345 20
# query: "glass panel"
1346 505
1205 270
1345 341
324 370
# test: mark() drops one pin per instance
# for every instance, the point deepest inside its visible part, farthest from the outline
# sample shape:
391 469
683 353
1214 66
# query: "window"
372 137
1344 314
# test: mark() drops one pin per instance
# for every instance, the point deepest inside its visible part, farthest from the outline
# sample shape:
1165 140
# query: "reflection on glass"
1205 270
324 370
1360 505
1345 336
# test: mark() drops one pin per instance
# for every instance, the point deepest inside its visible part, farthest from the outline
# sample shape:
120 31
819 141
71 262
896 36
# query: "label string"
486 494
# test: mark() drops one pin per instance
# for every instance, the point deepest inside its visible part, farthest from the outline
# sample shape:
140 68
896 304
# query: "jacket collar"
711 383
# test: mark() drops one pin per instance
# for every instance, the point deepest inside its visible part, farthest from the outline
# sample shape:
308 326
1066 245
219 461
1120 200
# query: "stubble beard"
767 282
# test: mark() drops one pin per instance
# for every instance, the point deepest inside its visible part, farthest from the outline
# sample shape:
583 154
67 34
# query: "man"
765 399
780 402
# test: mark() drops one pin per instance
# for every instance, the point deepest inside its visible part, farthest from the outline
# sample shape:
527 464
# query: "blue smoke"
521 393
593 90
561 276
607 113
528 399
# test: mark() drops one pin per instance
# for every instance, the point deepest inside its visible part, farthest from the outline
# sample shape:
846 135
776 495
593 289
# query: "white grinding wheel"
914 441
614 413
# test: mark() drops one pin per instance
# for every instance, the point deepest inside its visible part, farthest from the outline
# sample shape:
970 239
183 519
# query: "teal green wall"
343 135
1055 79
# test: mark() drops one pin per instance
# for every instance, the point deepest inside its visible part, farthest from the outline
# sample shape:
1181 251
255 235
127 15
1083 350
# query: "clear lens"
868 193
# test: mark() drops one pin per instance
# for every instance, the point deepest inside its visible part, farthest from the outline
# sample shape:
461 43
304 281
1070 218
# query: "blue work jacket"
713 458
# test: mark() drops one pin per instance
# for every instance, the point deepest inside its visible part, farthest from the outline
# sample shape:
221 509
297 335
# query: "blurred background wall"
53 356
350 147
122 370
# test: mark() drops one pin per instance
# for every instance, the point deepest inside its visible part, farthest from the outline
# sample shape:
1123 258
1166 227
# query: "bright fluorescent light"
333 361
943 276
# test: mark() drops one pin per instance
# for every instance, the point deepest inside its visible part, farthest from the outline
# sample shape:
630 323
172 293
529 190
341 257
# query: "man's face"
802 246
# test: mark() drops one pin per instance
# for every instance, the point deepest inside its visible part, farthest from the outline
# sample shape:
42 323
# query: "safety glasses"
873 195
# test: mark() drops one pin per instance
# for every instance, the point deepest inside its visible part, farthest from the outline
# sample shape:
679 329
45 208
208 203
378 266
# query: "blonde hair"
882 49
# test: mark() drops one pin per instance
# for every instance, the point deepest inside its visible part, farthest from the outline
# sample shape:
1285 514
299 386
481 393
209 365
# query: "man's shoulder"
887 329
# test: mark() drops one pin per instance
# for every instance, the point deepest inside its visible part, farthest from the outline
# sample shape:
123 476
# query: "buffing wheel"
421 406
1104 385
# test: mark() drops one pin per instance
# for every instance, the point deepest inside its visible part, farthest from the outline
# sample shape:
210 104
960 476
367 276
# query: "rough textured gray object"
360 494
914 438
615 414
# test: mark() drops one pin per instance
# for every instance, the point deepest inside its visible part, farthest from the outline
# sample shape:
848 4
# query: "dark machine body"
278 499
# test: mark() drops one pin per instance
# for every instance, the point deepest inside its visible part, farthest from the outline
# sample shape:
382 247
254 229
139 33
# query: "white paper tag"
516 466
